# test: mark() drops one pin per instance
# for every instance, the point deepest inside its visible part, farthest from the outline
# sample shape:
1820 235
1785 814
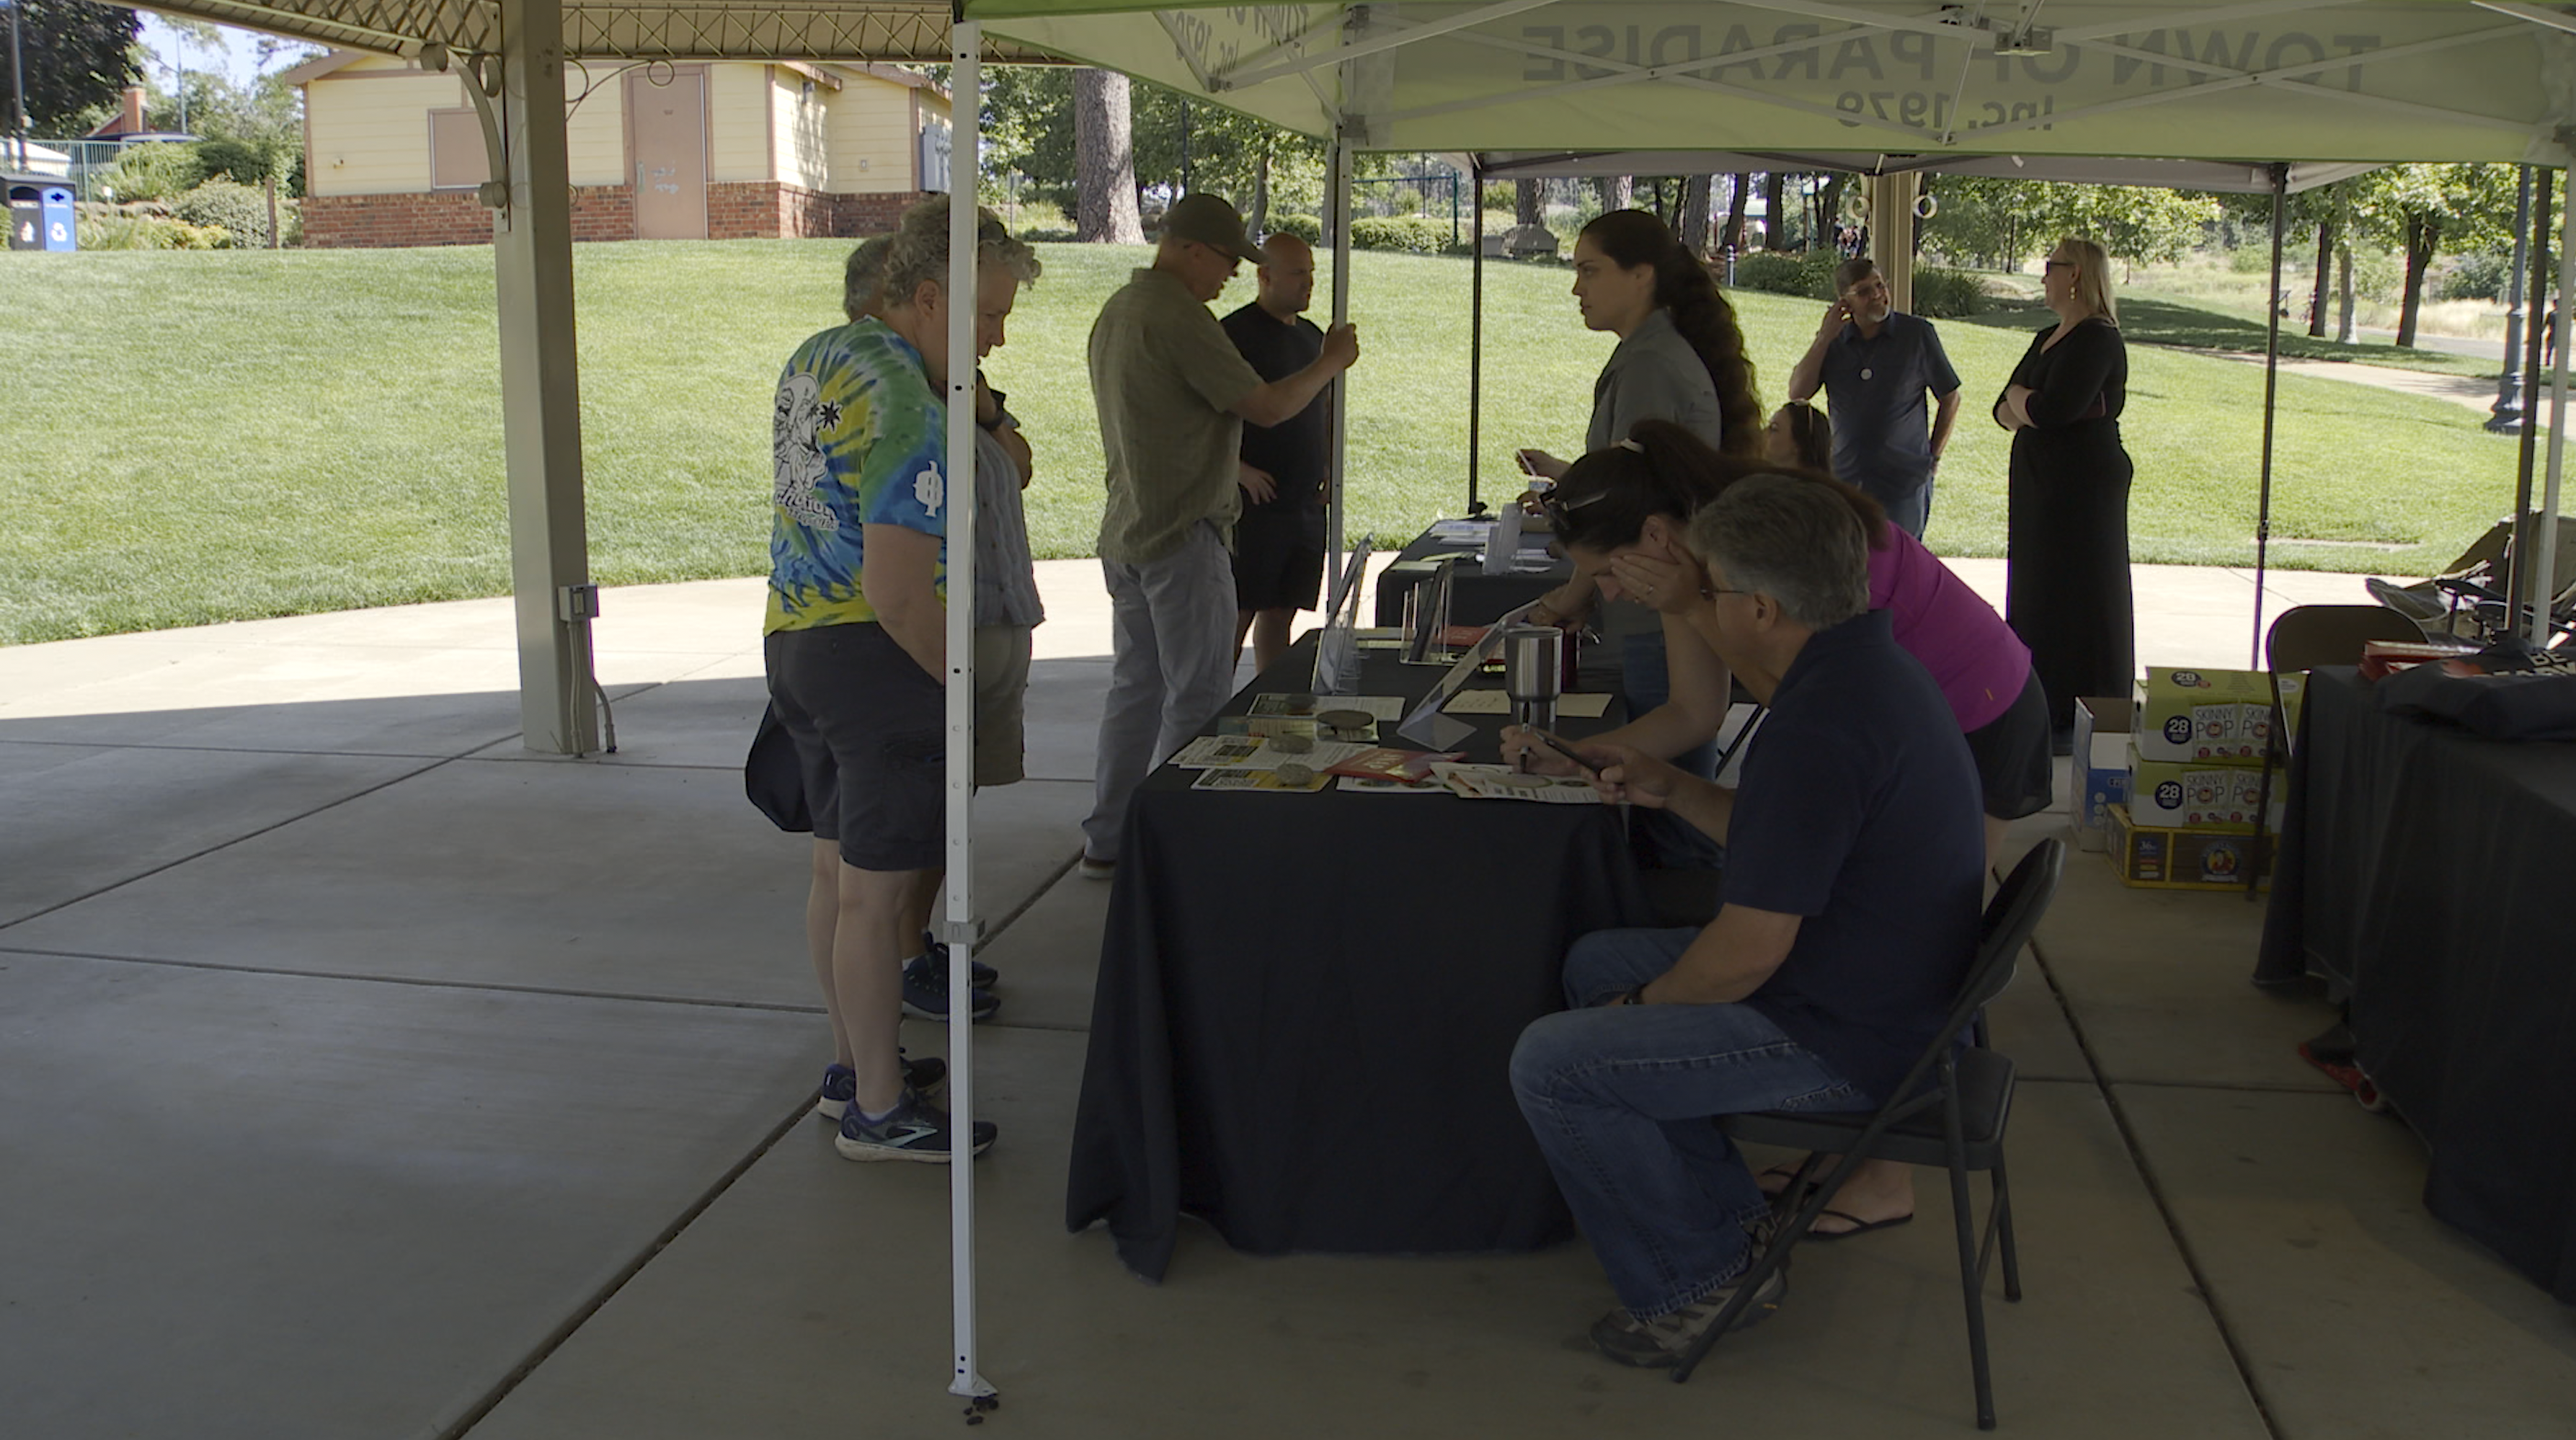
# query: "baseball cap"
1211 221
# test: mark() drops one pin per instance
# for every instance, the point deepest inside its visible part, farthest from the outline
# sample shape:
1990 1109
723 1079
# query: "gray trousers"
1172 642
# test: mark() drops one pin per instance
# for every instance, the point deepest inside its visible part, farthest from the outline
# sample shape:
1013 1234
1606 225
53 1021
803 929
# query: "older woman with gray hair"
1007 607
856 648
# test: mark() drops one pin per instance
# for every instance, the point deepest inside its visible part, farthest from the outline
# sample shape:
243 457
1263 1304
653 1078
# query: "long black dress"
2067 586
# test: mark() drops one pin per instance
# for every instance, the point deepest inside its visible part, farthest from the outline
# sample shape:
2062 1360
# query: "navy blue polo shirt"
1875 390
1859 811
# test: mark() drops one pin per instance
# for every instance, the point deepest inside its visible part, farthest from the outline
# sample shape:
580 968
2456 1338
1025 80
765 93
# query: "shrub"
2476 277
159 170
1947 294
1048 235
1810 274
241 161
103 228
1416 234
1304 227
238 209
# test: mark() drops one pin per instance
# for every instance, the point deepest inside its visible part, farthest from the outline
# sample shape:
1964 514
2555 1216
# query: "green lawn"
198 436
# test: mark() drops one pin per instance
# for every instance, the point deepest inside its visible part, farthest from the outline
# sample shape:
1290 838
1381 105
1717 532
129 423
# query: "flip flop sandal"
1858 1225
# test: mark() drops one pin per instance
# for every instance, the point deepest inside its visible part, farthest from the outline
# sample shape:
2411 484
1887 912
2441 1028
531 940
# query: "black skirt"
2067 589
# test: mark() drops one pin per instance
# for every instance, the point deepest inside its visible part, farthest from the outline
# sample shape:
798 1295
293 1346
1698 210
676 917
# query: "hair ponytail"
1701 313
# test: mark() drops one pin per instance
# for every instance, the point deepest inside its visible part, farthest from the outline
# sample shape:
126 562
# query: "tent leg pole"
2538 303
2544 554
965 155
2271 391
1344 154
541 389
1476 343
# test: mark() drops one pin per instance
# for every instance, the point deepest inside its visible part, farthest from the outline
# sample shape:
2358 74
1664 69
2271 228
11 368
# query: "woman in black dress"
2067 589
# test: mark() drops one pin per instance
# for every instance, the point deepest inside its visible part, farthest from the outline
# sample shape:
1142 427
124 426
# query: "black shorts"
1279 559
868 727
2013 760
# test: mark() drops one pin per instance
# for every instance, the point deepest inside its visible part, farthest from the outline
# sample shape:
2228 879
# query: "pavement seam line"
2208 1294
501 1390
235 840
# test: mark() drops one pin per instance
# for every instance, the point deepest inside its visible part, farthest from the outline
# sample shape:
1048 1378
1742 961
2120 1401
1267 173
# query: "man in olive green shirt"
1173 393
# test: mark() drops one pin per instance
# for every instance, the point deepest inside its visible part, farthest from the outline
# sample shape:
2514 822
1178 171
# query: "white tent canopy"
2353 80
2219 176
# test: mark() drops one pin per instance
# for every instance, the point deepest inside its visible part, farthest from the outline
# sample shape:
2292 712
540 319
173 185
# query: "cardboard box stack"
2197 743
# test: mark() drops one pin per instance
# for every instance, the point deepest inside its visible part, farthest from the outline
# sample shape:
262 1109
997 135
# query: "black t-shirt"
1859 811
1296 451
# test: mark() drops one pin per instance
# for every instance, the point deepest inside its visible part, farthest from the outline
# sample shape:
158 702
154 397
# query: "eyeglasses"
2058 265
1553 504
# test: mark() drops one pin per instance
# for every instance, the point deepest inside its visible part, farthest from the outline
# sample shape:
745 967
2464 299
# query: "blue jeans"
1620 1100
1664 841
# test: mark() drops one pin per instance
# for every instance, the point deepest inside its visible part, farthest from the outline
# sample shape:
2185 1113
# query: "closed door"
669 123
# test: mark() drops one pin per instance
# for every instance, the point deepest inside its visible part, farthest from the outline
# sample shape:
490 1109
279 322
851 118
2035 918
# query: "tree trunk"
1697 201
2423 237
1258 222
2343 293
1829 209
2325 276
1775 226
1732 238
1618 192
1104 166
1525 202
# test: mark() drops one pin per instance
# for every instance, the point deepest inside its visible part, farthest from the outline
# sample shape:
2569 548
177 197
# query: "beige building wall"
595 132
738 123
873 135
797 119
370 128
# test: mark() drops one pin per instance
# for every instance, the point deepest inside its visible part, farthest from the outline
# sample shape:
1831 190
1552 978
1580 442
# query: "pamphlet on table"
1501 782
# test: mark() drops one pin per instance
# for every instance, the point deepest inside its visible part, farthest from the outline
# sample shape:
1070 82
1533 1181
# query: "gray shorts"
868 726
1001 698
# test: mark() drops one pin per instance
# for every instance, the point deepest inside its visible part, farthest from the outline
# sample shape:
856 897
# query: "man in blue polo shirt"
1852 891
1875 366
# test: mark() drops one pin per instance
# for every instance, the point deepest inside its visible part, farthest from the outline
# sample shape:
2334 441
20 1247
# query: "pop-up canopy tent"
2250 82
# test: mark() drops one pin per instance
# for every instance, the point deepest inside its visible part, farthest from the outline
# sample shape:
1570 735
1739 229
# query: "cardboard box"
2219 717
2151 858
2165 794
2101 769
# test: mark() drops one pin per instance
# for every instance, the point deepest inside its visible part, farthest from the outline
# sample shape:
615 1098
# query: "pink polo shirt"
1976 659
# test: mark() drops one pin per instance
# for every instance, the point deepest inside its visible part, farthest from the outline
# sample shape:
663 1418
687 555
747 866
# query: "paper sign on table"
1501 782
1367 785
1255 752
1379 707
1578 706
1248 779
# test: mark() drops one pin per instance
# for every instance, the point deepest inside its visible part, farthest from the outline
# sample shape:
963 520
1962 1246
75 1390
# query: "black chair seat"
1985 1104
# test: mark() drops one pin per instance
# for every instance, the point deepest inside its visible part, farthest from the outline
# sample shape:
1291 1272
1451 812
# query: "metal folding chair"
1950 1111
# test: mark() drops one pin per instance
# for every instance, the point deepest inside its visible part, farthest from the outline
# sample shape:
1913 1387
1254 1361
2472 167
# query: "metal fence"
84 163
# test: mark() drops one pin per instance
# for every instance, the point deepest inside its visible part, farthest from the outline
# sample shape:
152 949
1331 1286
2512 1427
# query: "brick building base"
736 210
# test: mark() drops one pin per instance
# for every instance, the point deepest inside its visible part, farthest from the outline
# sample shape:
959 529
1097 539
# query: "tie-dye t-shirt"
858 439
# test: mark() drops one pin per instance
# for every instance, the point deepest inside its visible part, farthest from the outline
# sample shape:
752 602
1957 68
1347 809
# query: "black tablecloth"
1307 1003
1475 598
2422 872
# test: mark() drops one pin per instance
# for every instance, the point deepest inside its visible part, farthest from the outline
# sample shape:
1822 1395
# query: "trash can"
54 208
26 215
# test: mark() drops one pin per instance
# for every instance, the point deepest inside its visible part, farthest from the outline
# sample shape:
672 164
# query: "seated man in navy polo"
1852 890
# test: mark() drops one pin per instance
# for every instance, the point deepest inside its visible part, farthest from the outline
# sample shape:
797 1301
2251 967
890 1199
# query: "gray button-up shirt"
1876 387
1006 582
1653 375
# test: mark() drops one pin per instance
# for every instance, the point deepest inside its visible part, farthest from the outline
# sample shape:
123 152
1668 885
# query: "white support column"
541 390
2544 557
965 156
1336 549
1891 233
